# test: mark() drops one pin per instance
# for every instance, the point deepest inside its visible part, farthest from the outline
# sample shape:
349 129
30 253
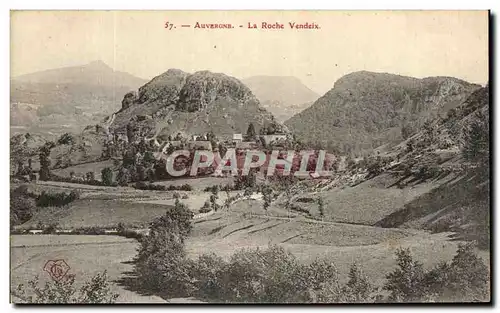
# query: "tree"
21 206
178 137
123 177
45 161
358 289
20 167
410 145
140 172
161 260
476 140
90 176
148 159
251 134
130 133
321 207
227 202
66 139
267 197
107 176
406 282
151 174
129 157
429 133
213 198
406 131
222 149
245 181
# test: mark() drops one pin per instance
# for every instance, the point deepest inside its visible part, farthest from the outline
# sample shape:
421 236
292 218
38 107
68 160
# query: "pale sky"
412 43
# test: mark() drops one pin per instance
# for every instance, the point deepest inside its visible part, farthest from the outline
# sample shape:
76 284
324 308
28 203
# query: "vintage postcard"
250 157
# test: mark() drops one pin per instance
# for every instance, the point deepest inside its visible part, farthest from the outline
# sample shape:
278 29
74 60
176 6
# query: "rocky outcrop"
164 88
203 88
129 99
197 103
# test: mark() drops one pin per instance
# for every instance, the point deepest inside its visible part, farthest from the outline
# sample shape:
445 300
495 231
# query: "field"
81 169
86 255
346 234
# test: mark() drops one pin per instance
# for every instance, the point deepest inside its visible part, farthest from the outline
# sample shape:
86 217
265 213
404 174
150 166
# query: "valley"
94 198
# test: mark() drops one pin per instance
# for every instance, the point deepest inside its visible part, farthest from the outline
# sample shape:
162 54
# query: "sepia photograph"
243 157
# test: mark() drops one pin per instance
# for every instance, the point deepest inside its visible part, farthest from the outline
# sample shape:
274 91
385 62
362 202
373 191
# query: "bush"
93 230
22 206
427 171
90 176
185 187
75 180
306 200
107 176
123 177
212 188
245 181
50 229
66 139
272 275
56 199
465 279
96 290
206 207
208 271
298 208
127 233
148 186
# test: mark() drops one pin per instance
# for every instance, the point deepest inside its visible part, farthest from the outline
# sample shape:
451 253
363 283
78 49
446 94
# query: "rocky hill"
365 110
72 96
283 96
197 103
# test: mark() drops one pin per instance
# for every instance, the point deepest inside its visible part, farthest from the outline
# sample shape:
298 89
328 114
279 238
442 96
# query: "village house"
199 145
246 145
237 138
268 139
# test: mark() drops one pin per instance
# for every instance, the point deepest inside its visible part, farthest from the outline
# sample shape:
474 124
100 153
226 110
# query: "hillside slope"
365 110
283 96
437 180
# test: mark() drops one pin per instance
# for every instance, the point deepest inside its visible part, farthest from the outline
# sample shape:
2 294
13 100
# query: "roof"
246 145
274 137
201 145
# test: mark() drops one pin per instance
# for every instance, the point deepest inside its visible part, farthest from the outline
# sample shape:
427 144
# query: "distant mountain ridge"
365 109
76 96
93 73
283 96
